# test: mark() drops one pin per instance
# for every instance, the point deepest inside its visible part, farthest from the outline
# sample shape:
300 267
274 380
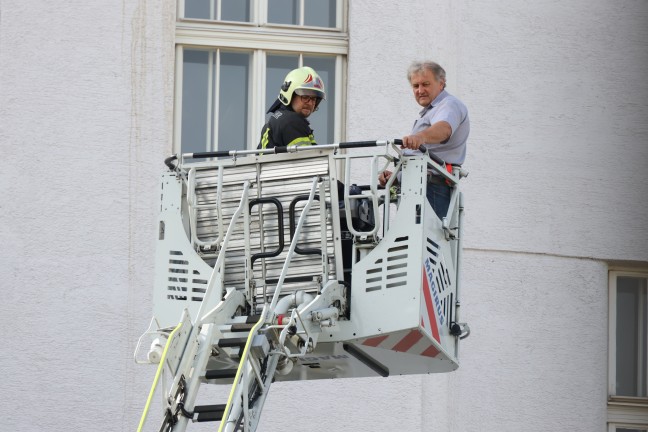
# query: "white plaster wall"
556 158
536 359
85 121
557 97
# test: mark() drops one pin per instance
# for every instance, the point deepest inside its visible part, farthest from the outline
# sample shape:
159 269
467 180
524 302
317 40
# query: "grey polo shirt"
445 107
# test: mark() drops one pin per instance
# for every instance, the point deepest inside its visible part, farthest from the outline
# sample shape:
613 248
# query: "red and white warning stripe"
408 341
429 319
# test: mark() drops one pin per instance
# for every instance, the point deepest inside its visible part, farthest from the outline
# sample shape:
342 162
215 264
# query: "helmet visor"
309 92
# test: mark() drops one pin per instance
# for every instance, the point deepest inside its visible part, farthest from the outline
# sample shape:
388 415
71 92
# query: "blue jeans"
438 196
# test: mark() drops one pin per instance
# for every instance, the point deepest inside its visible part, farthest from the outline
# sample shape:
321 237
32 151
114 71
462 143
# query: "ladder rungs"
209 412
292 279
220 373
241 327
232 342
253 319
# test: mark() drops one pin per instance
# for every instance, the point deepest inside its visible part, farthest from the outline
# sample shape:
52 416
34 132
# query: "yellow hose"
157 378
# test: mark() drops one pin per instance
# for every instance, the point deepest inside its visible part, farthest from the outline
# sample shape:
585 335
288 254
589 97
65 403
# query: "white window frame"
613 427
261 38
623 411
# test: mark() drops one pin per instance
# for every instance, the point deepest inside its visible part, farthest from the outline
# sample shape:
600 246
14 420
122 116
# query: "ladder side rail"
197 353
271 367
200 355
231 418
256 371
236 390
246 396
220 262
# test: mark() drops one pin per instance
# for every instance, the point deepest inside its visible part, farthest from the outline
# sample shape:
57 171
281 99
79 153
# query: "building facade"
94 96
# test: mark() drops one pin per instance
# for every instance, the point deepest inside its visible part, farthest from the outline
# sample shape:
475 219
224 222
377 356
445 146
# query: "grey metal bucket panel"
270 177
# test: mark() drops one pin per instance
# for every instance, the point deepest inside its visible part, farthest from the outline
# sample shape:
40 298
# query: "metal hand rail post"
193 208
220 261
323 225
458 267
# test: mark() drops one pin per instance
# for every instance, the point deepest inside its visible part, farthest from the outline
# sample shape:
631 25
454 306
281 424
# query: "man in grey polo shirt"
442 128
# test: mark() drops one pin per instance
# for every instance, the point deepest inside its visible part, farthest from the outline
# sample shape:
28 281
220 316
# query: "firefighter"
299 96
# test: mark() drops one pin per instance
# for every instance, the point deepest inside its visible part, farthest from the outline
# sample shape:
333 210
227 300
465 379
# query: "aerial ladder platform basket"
293 264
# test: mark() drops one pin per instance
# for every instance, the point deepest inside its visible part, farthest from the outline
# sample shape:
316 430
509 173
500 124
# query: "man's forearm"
436 134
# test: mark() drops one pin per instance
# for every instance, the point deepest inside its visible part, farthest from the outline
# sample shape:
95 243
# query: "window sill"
628 410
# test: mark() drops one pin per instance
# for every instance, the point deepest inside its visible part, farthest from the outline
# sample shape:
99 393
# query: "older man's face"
425 87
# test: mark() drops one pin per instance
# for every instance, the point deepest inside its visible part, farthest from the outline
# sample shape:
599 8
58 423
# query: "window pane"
283 11
235 10
233 98
195 100
319 13
277 67
322 121
198 9
629 430
631 337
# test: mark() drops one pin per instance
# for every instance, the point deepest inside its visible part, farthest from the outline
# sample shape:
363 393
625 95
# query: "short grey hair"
435 68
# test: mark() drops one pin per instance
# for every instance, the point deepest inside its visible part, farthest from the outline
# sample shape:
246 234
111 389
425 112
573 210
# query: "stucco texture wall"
557 97
556 155
85 122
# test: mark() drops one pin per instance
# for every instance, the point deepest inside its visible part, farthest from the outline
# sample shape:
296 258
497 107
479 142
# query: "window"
619 428
232 57
628 352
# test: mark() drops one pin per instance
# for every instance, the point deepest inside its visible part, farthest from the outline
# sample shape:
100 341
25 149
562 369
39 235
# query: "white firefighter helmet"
303 81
